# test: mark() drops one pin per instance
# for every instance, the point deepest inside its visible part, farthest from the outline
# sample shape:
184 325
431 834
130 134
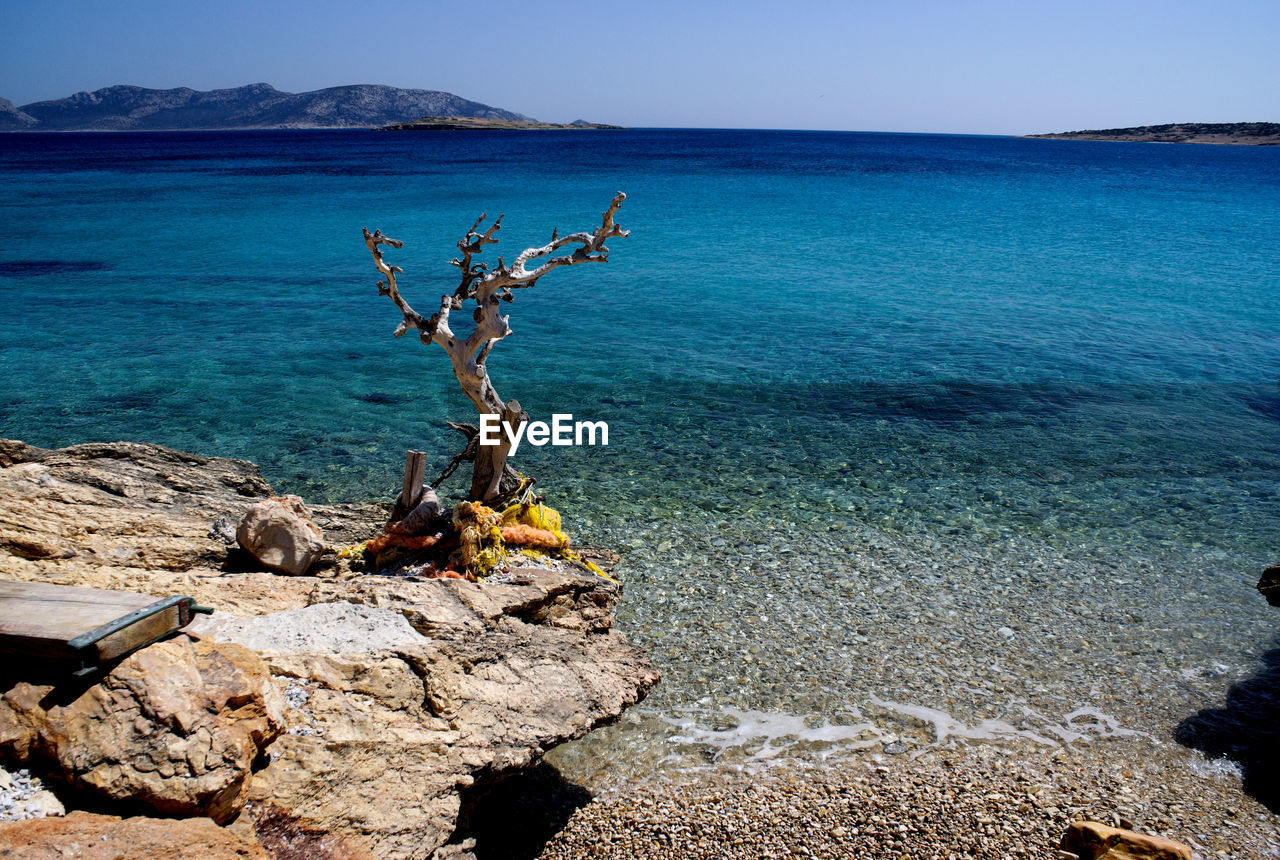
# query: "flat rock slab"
86 836
134 517
457 683
325 628
1090 840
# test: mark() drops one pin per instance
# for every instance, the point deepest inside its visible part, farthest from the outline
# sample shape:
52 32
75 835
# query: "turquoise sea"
983 426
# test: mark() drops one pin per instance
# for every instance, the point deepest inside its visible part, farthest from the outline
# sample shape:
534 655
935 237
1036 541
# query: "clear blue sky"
965 67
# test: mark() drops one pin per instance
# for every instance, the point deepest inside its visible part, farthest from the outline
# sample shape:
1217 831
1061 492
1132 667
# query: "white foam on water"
1083 724
1213 670
753 739
1103 725
946 726
764 736
1217 768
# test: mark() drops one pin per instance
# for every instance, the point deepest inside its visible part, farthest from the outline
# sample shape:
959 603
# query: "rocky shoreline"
1233 133
402 717
332 715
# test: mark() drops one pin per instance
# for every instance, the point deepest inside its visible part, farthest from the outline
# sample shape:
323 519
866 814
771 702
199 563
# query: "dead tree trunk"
491 476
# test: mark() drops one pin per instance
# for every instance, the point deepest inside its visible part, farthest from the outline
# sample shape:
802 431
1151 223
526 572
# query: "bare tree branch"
593 249
487 288
412 319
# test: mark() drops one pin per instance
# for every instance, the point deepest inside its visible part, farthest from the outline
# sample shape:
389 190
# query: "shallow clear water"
872 398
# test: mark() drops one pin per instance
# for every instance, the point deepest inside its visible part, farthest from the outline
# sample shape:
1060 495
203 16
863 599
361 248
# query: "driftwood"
417 507
424 515
415 470
491 477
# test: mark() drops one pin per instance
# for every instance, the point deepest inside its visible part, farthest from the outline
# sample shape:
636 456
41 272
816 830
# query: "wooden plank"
415 472
141 632
61 612
41 620
70 593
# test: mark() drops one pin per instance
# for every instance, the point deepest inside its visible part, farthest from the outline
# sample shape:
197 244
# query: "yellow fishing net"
480 544
529 524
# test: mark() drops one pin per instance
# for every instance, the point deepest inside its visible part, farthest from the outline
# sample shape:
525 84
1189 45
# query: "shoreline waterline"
921 641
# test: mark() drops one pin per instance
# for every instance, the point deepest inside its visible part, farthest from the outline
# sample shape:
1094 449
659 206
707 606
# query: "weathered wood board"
89 625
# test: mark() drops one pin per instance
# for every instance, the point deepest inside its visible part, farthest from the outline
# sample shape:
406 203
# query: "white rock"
43 804
325 628
1006 632
279 533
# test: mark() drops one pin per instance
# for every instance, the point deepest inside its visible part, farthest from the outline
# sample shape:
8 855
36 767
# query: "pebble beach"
968 803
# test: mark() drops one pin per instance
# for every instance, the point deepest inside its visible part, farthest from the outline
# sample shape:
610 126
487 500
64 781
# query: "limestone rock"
279 533
488 677
402 695
324 628
456 851
22 716
286 838
137 517
103 837
176 725
1090 840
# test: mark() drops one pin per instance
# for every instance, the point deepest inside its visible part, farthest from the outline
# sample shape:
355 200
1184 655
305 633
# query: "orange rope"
381 542
523 535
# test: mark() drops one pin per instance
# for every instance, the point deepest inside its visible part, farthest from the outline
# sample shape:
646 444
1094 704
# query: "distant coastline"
467 123
1229 133
261 106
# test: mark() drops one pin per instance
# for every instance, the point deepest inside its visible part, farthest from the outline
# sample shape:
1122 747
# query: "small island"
467 123
1237 133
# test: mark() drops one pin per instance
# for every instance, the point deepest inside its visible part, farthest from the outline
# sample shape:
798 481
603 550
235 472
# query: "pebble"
24 796
960 805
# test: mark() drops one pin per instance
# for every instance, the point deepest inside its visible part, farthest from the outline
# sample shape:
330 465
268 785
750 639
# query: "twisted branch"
473 243
487 287
593 249
412 319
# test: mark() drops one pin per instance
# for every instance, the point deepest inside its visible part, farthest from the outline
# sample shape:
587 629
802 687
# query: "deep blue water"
1080 336
818 354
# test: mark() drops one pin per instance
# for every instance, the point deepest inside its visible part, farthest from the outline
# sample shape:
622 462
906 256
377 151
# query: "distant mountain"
1254 133
127 108
11 118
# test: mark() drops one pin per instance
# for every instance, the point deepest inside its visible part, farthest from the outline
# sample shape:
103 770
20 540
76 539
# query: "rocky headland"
13 119
1239 133
336 714
254 106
